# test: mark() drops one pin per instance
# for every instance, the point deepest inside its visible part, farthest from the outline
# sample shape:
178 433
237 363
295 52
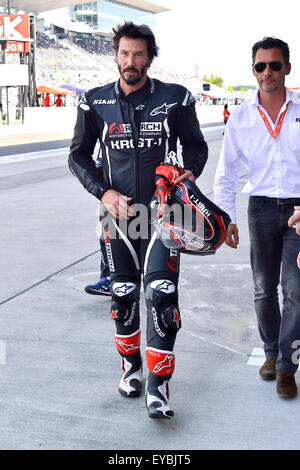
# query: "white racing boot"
131 363
131 379
157 397
161 366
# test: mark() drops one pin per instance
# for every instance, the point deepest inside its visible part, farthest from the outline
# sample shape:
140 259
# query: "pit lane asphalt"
41 142
33 147
59 370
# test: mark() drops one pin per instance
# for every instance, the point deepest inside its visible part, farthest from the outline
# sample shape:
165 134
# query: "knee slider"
161 298
125 296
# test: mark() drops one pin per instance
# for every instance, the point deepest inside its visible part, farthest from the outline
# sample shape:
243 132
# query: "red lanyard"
274 134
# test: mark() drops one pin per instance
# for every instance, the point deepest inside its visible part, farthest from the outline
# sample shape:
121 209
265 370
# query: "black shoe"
157 397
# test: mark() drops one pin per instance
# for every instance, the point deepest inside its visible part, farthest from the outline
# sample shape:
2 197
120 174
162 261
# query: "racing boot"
161 366
131 378
131 363
157 397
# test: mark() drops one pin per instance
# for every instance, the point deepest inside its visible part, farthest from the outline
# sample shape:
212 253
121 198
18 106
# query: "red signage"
15 47
14 27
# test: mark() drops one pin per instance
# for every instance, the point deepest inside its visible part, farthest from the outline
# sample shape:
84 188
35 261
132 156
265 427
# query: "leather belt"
279 201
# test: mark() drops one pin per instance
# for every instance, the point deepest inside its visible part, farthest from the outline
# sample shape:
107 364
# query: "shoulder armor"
83 104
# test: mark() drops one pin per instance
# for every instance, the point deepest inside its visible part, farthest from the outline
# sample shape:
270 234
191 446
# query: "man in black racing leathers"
138 122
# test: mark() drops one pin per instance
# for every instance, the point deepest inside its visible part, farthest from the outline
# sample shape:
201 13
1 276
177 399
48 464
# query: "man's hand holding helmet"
166 177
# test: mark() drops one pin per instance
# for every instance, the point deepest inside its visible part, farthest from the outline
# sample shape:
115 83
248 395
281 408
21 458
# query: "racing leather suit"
136 133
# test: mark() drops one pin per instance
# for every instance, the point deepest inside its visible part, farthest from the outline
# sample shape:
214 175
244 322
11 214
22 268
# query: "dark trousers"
273 250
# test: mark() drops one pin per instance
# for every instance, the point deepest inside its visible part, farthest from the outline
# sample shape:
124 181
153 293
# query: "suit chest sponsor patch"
105 101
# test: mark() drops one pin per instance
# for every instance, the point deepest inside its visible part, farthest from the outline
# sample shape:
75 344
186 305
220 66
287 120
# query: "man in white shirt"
264 134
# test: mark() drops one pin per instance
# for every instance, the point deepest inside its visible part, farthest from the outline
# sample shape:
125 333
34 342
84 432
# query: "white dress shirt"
273 164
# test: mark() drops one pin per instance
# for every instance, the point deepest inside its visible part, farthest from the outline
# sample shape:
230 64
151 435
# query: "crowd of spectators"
73 66
45 42
92 47
84 65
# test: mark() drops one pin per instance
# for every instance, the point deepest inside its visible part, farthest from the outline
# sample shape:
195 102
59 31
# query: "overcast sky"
218 35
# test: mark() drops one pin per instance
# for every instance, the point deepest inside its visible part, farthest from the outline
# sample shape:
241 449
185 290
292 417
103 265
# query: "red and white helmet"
192 224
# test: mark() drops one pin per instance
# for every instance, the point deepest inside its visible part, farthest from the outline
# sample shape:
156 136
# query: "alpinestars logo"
83 104
167 363
126 347
163 285
140 107
121 289
163 109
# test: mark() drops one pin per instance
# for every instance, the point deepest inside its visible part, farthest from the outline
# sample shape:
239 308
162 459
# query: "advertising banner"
14 27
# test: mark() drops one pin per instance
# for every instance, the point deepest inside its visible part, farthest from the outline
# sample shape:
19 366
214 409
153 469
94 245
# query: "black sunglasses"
260 66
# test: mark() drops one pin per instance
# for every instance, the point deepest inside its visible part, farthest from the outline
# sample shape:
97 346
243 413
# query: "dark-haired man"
138 122
264 134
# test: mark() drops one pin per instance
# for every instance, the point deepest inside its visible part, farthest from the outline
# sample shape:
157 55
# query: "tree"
214 79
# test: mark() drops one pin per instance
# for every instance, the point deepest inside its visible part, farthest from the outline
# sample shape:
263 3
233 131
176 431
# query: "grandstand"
81 54
62 62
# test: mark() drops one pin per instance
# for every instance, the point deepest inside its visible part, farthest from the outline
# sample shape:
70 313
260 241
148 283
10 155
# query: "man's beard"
133 79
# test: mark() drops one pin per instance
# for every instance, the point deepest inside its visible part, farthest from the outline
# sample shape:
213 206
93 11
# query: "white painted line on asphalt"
237 267
212 128
194 335
33 155
255 361
257 357
20 157
258 352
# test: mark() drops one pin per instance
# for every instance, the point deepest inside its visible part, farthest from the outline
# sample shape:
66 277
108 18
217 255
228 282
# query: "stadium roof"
37 6
145 5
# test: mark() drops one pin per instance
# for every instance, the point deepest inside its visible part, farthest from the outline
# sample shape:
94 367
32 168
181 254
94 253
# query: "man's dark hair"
133 31
269 43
